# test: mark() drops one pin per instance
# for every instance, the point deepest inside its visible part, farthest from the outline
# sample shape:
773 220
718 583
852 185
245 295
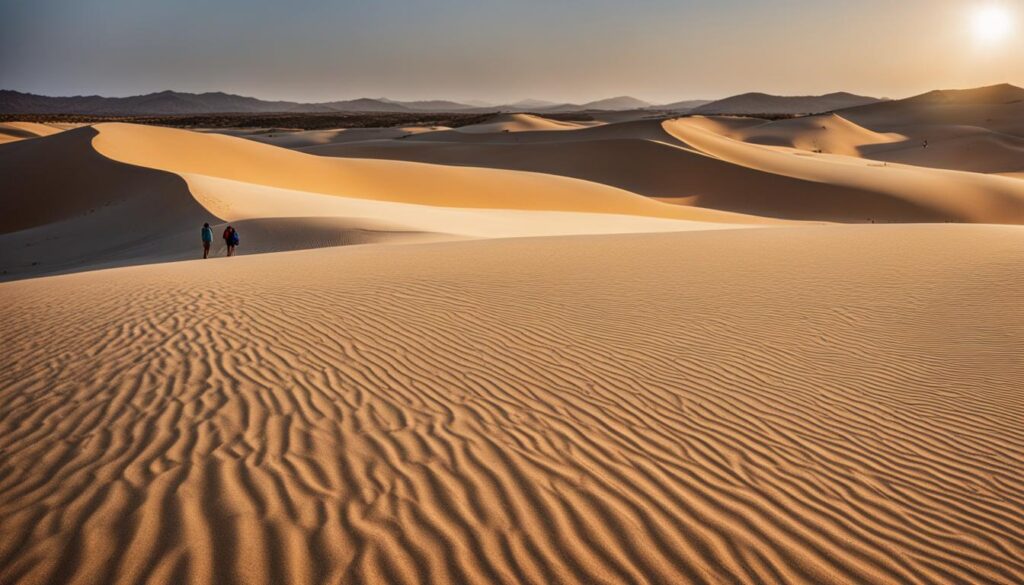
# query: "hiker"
207 240
230 239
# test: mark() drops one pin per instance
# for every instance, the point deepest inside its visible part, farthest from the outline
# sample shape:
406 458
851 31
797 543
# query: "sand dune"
584 131
555 378
742 165
603 130
120 194
12 131
65 206
234 201
288 138
183 152
955 147
998 108
830 133
517 123
961 148
655 169
937 194
794 405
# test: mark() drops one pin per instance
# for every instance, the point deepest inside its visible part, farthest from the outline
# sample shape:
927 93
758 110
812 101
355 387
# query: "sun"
991 23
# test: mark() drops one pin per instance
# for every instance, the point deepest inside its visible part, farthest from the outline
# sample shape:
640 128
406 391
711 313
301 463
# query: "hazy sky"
566 50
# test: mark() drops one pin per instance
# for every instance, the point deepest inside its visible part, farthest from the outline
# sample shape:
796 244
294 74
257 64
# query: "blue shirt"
207 234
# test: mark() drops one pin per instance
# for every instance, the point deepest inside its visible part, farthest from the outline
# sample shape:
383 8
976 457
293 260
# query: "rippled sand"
800 404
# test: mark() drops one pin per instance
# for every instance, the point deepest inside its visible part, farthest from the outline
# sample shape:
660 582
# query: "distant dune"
998 108
812 168
517 123
289 138
761 103
12 131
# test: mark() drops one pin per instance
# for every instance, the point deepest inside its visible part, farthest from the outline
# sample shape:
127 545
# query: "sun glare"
991 23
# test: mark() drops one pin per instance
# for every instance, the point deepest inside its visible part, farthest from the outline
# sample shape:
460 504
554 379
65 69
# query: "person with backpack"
230 239
207 235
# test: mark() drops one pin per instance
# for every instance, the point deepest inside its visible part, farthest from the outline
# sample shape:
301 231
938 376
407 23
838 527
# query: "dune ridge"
231 158
13 131
117 194
944 194
998 108
289 138
747 406
518 123
812 168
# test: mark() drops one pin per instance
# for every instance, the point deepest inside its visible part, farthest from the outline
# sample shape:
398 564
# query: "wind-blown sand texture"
802 405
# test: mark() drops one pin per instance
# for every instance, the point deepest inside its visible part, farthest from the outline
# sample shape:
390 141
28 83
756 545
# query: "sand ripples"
790 405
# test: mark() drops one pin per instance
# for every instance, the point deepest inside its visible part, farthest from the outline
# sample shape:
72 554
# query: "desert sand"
12 131
795 404
814 168
298 139
638 351
117 194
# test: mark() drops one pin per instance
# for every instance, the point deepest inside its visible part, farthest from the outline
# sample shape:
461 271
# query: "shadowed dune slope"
657 169
794 405
517 123
998 108
741 165
953 147
288 138
66 206
963 148
226 157
632 129
62 177
938 194
827 133
13 131
234 200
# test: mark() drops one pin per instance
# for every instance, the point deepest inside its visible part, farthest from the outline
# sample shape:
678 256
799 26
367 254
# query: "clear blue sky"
571 50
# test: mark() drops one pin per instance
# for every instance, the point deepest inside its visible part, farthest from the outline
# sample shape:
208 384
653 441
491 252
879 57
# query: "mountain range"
182 103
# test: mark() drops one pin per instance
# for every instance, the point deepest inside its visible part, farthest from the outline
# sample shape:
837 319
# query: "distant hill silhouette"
1003 93
762 103
184 103
175 103
998 108
619 103
683 106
